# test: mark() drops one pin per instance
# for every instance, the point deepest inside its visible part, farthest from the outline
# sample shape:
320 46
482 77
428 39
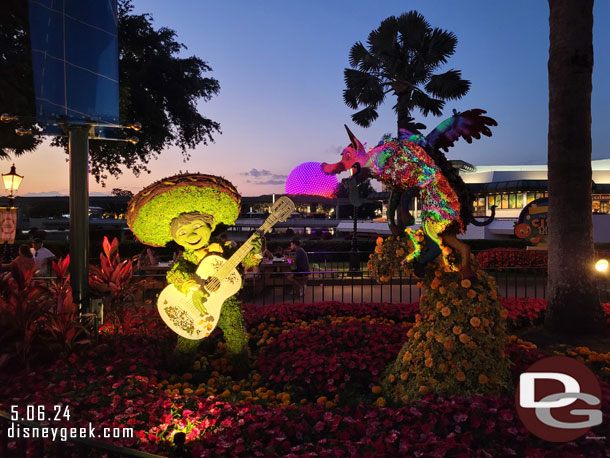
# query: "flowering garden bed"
504 258
312 390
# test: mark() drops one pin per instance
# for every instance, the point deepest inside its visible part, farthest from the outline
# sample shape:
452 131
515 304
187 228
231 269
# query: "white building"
512 187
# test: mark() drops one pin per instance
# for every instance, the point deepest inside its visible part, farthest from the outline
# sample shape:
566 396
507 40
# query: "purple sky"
280 67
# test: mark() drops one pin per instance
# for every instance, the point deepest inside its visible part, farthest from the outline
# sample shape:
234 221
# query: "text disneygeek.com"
17 431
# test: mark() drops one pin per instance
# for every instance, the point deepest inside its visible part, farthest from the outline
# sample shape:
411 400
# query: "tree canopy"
158 88
401 57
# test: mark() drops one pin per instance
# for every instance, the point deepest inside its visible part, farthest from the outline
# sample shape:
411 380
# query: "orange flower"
475 322
445 311
504 314
448 344
380 402
404 376
321 400
435 283
391 378
460 376
457 330
376 389
446 251
427 353
471 294
442 290
378 249
423 389
439 338
429 362
400 252
417 335
439 305
443 368
464 338
466 283
379 241
483 379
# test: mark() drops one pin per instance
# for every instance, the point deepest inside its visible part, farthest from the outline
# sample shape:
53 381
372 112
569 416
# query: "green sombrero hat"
151 211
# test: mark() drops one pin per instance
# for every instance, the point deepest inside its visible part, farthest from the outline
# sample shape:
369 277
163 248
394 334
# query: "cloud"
257 173
264 177
271 182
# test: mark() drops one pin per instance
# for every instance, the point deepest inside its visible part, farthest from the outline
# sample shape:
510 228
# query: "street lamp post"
352 184
11 181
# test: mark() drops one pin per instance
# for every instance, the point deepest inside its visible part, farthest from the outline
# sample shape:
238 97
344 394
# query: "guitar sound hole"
212 284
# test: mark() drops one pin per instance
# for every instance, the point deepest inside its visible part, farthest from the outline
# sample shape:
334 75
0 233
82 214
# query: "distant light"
601 265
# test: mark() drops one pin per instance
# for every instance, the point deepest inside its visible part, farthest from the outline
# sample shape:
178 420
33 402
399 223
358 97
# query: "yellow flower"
466 283
380 402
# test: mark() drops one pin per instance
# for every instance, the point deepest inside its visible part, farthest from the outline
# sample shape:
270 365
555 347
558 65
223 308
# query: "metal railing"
330 278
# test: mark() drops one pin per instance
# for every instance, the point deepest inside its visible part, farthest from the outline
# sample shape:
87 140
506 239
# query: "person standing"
300 272
23 263
42 258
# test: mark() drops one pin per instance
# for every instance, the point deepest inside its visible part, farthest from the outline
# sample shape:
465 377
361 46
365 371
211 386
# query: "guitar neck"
240 254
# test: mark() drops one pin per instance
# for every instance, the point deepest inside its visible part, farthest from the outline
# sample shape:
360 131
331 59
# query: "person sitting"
146 258
42 257
300 271
24 262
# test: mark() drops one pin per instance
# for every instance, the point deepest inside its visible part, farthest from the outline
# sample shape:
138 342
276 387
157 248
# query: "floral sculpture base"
456 346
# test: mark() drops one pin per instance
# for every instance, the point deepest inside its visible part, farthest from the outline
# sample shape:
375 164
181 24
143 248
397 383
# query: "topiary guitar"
219 278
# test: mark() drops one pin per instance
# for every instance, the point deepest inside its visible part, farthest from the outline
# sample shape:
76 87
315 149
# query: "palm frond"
427 104
362 88
362 59
439 46
448 85
365 117
382 41
413 28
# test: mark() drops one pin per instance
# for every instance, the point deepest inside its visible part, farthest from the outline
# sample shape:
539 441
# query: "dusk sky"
280 68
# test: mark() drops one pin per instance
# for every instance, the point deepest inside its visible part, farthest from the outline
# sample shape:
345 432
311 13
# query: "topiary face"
191 233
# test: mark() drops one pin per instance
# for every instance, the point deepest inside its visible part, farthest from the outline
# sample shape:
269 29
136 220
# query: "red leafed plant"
113 281
66 328
22 308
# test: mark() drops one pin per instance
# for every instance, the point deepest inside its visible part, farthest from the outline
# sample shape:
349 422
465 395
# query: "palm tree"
402 55
573 299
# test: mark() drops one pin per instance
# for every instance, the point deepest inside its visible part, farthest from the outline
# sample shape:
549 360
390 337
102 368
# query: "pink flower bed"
304 354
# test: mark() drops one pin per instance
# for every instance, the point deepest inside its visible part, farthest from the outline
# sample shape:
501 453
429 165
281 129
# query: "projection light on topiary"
308 178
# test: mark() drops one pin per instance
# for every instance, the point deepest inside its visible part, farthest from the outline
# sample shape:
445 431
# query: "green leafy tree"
401 57
158 88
